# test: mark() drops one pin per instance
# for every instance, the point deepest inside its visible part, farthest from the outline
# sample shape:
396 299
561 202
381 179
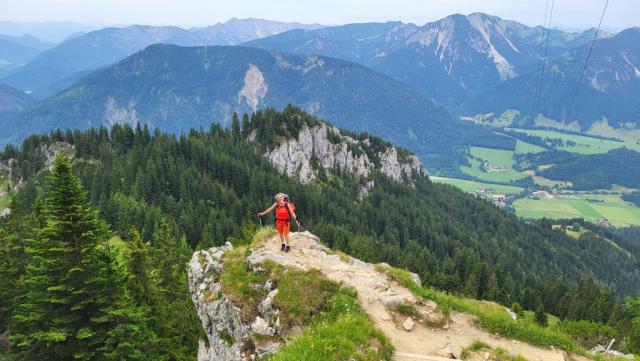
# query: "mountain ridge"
178 88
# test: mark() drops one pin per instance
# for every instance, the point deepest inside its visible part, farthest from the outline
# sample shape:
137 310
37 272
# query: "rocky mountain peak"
320 149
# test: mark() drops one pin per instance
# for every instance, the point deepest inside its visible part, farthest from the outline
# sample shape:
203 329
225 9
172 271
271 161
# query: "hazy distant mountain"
12 101
177 88
48 31
449 59
610 88
236 31
91 51
366 43
28 40
57 66
13 54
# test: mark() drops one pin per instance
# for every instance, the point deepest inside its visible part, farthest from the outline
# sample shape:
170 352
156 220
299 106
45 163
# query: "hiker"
285 210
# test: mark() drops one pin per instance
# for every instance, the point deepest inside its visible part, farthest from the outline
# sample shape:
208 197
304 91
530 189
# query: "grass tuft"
498 354
226 337
342 332
261 236
301 295
237 281
408 310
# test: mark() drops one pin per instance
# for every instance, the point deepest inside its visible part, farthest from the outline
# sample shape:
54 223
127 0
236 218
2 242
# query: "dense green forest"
633 197
167 195
586 172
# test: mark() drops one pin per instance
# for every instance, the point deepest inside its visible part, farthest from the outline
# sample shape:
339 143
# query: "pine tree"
541 316
72 294
633 306
139 282
177 324
12 259
235 126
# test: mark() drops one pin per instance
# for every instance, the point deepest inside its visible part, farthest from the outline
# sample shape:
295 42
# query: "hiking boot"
282 247
287 249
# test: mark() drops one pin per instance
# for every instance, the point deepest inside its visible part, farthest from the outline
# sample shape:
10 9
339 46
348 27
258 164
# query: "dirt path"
375 291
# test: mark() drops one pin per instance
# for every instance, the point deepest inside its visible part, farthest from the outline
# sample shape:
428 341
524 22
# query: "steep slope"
608 90
178 88
449 59
237 31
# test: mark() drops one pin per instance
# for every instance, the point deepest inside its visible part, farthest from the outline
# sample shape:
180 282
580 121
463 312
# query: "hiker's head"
280 197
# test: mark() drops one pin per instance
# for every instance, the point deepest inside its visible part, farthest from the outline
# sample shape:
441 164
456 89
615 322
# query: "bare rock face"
254 89
393 168
228 336
49 152
114 114
296 157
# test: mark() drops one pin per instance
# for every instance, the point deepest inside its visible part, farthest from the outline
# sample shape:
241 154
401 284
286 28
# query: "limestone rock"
317 145
408 324
228 337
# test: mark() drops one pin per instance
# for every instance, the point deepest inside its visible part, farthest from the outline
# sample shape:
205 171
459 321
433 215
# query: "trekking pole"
260 219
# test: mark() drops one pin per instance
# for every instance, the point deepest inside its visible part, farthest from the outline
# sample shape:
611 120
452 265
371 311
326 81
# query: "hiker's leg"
287 228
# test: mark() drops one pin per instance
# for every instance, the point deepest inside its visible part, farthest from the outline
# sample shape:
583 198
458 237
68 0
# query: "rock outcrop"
229 337
323 148
426 331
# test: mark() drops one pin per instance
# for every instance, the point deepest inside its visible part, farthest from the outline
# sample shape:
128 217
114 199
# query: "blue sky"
569 14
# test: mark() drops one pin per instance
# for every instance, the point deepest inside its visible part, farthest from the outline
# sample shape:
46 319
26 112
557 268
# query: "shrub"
587 333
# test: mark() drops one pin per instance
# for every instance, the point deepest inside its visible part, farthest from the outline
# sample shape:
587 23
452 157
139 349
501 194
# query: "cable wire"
595 37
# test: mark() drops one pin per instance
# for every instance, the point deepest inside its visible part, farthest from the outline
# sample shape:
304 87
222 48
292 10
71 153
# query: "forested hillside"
588 171
177 88
205 187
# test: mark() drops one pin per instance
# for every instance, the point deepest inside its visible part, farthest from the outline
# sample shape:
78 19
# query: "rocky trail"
413 339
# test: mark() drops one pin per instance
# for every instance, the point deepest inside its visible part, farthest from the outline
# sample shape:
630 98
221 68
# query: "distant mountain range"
610 88
177 88
55 68
449 60
237 31
18 50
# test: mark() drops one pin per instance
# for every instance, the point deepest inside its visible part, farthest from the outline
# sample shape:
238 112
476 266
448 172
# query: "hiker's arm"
260 214
293 213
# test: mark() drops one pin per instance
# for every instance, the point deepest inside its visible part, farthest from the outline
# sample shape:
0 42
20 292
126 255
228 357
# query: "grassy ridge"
495 319
336 327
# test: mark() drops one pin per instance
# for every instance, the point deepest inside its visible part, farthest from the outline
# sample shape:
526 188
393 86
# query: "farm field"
496 157
611 207
585 144
470 186
524 147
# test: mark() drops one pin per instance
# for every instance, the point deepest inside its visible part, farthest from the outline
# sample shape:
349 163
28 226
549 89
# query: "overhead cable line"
595 37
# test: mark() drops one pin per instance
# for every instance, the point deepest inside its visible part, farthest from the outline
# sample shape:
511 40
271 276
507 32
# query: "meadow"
584 144
611 207
470 186
495 157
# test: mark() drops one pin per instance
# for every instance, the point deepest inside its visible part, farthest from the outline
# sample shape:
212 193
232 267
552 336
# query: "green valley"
533 190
